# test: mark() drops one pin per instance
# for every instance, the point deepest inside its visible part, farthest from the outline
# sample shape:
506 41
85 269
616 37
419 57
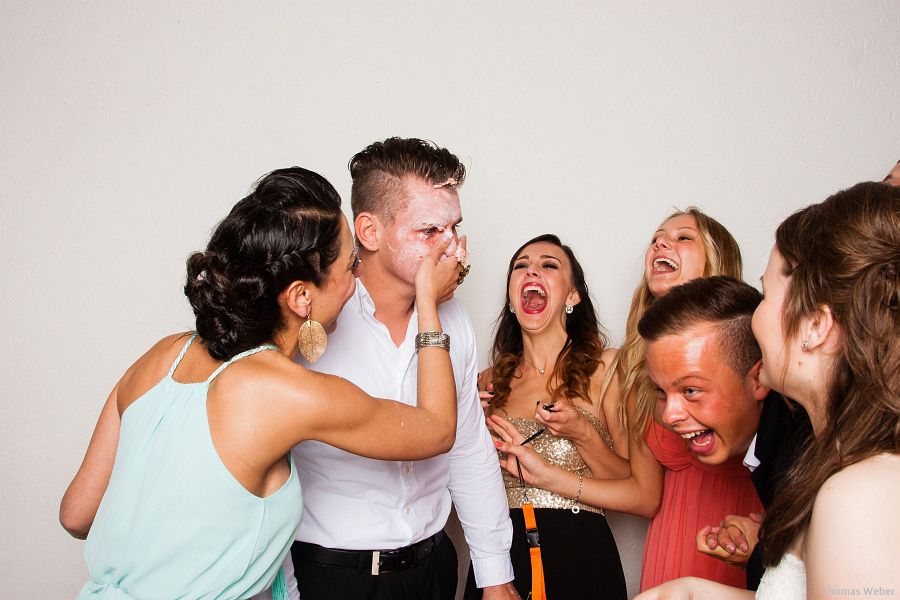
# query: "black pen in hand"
532 436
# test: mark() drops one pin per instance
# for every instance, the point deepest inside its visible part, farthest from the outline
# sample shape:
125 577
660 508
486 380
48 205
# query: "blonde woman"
666 482
828 329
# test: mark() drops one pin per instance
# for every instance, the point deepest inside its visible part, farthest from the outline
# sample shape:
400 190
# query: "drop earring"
312 340
512 309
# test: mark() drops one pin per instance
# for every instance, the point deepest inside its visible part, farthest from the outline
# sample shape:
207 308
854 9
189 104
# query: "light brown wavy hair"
843 253
580 356
723 257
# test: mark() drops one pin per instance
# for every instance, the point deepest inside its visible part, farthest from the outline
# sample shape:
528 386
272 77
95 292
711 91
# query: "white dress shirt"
750 460
356 503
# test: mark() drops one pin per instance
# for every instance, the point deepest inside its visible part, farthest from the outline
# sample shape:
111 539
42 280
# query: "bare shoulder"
151 366
854 511
271 379
866 490
608 356
164 352
871 477
267 376
610 395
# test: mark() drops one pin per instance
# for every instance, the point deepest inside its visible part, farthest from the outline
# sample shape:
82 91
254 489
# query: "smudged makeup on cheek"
408 248
422 227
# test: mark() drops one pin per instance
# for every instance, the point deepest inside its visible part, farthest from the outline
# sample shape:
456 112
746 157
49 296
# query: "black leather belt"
374 562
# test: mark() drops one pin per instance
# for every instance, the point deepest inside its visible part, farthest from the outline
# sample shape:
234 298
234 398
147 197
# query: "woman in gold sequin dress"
549 358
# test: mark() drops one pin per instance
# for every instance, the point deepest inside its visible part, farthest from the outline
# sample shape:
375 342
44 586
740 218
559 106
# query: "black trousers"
580 557
433 578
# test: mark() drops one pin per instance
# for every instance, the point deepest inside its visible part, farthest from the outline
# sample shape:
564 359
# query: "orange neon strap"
538 592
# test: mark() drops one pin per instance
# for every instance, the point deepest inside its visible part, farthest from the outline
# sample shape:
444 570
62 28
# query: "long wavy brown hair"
723 257
843 253
580 355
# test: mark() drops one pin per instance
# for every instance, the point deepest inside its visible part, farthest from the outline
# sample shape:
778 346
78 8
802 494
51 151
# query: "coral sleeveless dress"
694 495
174 522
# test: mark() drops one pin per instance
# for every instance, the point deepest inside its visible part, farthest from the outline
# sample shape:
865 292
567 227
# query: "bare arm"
504 591
300 404
639 494
82 498
694 588
565 421
392 430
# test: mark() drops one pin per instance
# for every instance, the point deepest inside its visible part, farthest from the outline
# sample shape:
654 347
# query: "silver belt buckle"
376 560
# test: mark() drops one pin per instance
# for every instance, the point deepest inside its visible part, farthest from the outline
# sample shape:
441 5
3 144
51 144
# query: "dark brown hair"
580 355
287 229
379 169
726 302
843 253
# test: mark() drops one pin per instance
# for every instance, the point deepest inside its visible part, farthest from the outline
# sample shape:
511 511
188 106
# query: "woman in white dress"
828 329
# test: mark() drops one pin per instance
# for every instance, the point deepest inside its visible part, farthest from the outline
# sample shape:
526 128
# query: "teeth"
534 288
669 262
693 434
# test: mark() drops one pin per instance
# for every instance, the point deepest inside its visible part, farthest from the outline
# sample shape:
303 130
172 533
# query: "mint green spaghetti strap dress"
174 522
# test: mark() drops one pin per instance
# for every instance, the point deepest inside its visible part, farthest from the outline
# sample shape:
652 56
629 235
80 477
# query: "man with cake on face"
373 529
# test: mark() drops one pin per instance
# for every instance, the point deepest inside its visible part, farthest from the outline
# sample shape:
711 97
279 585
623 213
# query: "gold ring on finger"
463 271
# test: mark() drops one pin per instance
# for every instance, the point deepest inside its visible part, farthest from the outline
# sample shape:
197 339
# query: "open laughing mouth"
664 265
701 441
534 298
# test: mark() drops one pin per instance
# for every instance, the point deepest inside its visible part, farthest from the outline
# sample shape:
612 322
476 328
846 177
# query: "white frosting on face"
461 254
429 214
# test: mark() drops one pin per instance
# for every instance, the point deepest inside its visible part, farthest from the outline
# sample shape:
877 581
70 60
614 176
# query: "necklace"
537 368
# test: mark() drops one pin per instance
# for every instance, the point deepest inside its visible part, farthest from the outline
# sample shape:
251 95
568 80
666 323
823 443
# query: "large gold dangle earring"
312 340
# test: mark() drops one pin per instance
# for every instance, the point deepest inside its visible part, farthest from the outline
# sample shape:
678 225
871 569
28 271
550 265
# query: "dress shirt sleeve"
476 485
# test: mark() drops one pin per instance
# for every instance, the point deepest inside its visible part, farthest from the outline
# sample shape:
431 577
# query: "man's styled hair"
726 302
379 169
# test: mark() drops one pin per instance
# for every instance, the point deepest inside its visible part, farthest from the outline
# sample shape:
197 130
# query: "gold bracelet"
575 508
437 339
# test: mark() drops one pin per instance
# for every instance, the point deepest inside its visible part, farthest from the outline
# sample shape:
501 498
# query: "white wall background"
128 129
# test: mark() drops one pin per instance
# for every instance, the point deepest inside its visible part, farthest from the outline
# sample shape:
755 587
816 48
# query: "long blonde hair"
723 257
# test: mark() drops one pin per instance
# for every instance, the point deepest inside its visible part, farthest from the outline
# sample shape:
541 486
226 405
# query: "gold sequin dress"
579 553
559 452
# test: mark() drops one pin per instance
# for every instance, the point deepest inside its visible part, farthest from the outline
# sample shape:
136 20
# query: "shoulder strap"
181 354
239 356
279 586
538 590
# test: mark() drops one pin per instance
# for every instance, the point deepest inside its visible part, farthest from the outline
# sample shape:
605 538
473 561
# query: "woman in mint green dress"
188 489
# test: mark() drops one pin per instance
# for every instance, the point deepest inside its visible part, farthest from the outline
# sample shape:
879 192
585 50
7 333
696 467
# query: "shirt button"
407 510
407 469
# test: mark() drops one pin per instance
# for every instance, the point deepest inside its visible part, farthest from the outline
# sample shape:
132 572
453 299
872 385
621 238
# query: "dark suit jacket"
782 434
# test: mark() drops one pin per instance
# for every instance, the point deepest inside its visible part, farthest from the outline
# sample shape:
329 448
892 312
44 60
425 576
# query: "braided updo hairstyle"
843 253
287 229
